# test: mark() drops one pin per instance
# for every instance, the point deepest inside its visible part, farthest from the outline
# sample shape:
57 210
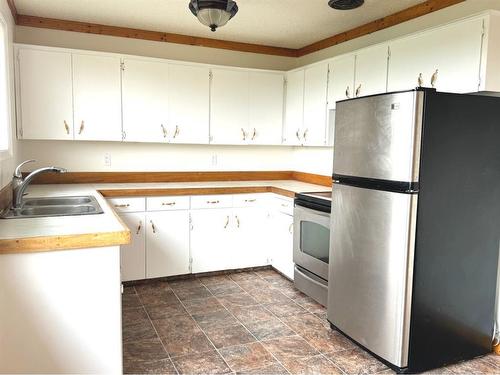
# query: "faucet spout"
19 185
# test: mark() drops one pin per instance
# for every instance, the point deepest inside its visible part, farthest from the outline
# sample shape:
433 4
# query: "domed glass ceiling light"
213 13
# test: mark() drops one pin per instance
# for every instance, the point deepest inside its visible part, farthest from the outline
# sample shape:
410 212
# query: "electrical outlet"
214 160
107 159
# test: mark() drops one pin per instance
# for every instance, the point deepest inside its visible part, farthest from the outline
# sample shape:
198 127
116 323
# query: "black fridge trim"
404 187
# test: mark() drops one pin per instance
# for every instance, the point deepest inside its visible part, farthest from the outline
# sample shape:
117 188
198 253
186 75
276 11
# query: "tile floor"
245 323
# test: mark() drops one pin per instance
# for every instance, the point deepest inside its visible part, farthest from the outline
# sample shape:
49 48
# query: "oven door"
311 240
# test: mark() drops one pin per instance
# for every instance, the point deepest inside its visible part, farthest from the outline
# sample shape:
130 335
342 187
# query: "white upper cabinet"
45 98
294 108
371 71
315 105
341 77
451 53
229 107
266 92
97 97
189 104
145 100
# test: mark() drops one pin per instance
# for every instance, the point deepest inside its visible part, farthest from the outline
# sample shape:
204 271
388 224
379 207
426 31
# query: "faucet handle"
17 172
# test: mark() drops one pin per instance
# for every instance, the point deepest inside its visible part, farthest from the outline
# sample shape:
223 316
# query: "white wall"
7 161
89 156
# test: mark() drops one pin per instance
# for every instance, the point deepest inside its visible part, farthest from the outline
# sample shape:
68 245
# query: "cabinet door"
97 97
189 102
371 71
167 243
341 85
229 107
294 108
453 50
283 244
250 237
45 94
212 240
266 108
315 99
133 255
145 100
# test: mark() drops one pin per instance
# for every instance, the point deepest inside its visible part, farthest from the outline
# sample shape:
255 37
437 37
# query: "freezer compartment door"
371 268
379 136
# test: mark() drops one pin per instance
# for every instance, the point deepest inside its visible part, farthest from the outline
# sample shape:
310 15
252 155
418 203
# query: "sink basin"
55 206
58 201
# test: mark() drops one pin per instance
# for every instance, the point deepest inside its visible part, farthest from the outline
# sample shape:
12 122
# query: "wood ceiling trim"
380 24
371 27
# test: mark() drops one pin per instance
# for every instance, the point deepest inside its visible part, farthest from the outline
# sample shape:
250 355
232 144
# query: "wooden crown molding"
380 24
124 32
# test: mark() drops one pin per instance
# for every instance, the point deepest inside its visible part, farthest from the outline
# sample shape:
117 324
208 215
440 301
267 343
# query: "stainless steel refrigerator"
415 226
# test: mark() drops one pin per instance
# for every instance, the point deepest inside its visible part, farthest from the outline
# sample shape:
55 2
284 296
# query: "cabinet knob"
434 78
305 134
358 91
177 131
153 226
290 228
297 134
164 131
243 134
168 204
82 126
348 92
420 80
250 200
237 221
66 126
139 227
227 222
254 134
122 205
212 202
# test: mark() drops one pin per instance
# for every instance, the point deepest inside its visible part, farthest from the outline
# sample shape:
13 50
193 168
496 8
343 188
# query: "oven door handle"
309 278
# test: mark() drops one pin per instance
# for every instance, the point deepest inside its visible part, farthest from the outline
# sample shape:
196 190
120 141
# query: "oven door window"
315 240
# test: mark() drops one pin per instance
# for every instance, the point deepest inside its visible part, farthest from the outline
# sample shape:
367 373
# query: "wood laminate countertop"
107 229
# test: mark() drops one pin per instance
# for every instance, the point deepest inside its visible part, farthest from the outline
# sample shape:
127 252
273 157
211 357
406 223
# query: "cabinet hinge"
122 66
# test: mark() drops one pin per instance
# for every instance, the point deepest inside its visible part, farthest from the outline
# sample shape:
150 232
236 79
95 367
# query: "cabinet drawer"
250 200
284 205
167 203
211 201
128 204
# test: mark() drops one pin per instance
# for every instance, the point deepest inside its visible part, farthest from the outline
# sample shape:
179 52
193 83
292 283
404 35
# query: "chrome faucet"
19 185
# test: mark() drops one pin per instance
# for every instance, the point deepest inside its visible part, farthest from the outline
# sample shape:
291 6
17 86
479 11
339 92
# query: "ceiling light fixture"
345 4
213 13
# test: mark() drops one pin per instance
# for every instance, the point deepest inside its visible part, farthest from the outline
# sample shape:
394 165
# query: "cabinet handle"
284 205
177 131
139 227
164 131
297 134
290 228
305 134
66 126
168 204
237 221
348 92
212 202
244 134
122 205
250 200
358 91
434 78
227 222
254 134
153 226
82 126
420 80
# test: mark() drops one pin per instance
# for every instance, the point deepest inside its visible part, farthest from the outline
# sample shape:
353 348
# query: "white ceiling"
283 23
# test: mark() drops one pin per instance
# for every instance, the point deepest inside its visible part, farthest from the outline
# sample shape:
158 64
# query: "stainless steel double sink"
55 206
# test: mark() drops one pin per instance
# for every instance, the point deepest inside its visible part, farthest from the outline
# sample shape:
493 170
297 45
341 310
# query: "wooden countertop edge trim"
66 242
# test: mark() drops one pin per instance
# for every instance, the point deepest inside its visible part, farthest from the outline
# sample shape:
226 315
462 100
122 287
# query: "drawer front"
284 205
211 201
128 204
167 203
250 200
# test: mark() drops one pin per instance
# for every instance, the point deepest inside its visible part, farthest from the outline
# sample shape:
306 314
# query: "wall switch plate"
107 159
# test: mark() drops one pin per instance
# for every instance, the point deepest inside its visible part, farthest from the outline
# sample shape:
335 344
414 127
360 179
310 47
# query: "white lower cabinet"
167 243
133 255
282 255
212 239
